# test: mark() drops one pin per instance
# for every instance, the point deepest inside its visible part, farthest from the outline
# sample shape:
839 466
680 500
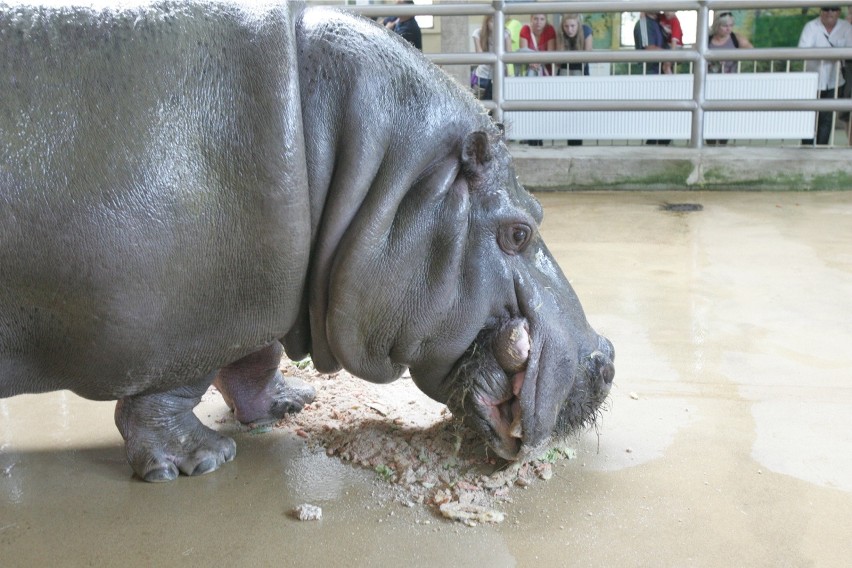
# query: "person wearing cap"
826 31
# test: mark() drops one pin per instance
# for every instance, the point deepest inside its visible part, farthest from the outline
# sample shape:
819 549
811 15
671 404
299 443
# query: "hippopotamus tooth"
189 189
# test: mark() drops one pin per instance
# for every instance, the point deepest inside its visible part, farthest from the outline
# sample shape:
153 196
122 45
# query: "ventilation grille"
676 125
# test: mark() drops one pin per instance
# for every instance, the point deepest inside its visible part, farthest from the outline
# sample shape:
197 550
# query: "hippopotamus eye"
513 238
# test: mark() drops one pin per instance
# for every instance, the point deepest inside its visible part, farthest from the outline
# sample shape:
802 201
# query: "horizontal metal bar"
462 58
578 7
680 105
633 55
379 10
833 105
524 8
770 54
765 4
790 104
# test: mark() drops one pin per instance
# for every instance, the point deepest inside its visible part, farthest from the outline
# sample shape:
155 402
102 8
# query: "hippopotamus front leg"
254 388
163 437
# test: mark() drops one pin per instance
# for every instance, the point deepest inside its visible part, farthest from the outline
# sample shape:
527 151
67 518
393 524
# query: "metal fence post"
497 75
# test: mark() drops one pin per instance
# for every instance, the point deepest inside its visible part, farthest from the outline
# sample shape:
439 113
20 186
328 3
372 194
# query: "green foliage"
553 455
779 30
384 472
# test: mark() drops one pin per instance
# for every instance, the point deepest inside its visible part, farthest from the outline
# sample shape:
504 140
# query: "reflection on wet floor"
728 438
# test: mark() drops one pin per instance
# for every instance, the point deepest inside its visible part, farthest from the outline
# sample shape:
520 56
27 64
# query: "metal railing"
697 57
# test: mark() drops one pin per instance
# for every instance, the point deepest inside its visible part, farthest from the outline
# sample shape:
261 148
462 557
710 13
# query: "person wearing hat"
826 31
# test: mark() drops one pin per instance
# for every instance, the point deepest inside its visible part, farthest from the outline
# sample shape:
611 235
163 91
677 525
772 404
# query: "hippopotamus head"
536 369
427 253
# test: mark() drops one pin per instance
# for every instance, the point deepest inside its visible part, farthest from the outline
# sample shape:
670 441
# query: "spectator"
847 77
483 40
722 36
847 65
648 35
538 36
826 31
406 26
573 35
672 31
514 27
672 35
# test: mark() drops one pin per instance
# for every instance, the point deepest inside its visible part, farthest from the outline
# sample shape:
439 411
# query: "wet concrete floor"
728 441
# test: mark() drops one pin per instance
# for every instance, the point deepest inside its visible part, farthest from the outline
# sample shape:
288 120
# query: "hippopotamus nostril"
607 373
603 367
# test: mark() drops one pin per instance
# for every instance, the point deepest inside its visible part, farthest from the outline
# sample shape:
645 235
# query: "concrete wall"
663 168
455 38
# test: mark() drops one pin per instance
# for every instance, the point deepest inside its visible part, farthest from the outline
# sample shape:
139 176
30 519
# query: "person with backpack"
722 36
648 35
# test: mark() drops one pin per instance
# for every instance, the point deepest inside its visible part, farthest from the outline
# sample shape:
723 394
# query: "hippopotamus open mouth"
495 389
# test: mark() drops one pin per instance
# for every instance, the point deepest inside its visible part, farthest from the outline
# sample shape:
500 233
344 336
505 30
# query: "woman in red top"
538 36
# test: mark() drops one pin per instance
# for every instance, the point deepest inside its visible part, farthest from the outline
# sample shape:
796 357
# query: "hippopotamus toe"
254 388
154 465
290 396
168 472
158 467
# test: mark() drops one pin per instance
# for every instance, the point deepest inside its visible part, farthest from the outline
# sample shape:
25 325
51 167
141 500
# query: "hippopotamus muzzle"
504 388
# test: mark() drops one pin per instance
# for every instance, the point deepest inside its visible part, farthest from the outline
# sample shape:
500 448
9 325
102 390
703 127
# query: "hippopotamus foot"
164 438
254 388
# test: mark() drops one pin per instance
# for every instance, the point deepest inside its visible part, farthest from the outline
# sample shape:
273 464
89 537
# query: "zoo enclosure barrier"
693 109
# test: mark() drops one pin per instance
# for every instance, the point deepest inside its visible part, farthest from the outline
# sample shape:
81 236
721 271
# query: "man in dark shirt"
406 26
647 34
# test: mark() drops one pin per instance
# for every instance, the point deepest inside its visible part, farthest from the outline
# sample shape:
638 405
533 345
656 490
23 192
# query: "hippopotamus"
189 189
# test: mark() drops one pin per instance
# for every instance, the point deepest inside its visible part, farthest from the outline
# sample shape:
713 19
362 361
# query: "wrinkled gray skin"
184 187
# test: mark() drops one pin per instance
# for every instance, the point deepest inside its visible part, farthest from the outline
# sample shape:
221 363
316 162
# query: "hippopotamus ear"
476 154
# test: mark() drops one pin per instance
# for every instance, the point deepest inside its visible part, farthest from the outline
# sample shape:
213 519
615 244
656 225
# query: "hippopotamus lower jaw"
505 391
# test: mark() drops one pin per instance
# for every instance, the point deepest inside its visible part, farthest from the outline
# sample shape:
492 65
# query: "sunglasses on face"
830 9
725 15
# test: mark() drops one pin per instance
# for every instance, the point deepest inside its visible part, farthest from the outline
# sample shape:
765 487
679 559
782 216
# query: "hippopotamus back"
154 203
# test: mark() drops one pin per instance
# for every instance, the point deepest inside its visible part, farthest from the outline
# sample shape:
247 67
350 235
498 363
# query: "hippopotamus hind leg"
163 437
257 392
